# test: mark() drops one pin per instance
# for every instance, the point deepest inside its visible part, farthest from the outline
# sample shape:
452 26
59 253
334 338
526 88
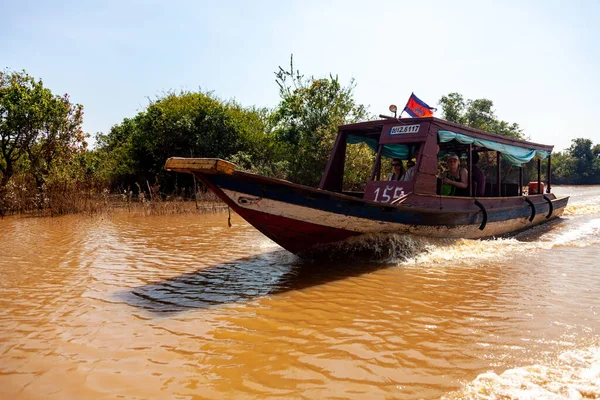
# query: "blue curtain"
389 150
514 155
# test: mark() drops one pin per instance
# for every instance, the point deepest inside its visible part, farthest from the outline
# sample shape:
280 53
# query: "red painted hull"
291 234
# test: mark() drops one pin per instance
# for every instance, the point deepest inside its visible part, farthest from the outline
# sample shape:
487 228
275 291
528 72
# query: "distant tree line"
578 165
45 160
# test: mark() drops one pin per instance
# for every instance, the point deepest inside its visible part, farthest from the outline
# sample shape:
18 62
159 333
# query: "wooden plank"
205 165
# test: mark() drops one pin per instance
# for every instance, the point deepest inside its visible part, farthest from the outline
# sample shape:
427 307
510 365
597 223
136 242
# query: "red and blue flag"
418 108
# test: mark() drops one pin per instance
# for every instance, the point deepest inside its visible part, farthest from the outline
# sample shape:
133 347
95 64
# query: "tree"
579 164
307 118
36 127
60 140
477 114
582 154
453 108
184 124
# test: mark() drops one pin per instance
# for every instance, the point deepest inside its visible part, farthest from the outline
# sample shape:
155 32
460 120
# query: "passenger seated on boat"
478 176
412 169
398 170
456 180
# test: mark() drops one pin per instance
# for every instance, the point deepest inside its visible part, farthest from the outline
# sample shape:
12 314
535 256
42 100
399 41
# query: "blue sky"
537 60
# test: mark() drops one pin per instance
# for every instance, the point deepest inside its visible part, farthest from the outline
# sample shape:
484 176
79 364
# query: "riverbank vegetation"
46 165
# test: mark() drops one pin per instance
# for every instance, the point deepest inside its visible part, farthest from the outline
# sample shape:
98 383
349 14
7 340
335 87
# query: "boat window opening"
502 179
403 154
394 172
389 150
361 157
514 165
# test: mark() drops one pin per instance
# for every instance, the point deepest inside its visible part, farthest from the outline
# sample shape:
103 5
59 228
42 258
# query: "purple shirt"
478 182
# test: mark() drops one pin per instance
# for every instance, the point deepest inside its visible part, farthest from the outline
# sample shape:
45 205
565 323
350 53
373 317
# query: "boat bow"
200 165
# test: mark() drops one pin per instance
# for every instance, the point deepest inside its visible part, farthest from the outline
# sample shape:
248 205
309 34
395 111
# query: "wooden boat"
299 217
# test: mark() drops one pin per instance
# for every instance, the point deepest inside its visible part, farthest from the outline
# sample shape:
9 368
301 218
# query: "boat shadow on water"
271 273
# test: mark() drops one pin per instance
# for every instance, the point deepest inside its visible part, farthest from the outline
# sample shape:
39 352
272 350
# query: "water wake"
581 209
578 235
409 249
574 374
380 247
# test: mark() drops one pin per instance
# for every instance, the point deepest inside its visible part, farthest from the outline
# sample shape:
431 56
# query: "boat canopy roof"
514 151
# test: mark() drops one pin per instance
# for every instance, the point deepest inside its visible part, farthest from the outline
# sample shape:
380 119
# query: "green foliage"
477 114
581 152
453 108
359 163
44 162
292 142
37 128
185 124
563 167
579 164
307 117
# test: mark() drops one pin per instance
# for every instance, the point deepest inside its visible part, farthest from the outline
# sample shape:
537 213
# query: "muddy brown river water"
184 307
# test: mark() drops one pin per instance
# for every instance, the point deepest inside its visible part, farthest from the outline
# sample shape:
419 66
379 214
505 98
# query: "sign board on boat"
387 191
402 129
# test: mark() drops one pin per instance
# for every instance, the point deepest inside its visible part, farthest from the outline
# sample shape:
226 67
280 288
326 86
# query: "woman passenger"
456 181
398 170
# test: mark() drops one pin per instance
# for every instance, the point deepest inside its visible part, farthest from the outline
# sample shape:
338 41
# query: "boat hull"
299 218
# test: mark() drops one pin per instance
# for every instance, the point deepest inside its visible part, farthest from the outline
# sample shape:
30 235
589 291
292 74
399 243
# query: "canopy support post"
470 169
539 186
549 178
377 166
521 180
498 173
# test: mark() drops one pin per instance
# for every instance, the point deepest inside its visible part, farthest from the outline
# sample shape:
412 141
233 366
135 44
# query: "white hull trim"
364 225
